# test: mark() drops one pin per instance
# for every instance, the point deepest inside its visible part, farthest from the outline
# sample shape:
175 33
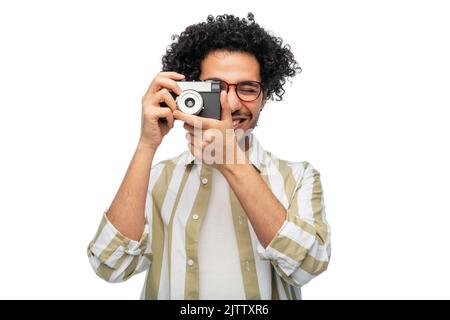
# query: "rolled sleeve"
115 257
301 248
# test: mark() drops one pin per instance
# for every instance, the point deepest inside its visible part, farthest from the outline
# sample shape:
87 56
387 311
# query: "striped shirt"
177 200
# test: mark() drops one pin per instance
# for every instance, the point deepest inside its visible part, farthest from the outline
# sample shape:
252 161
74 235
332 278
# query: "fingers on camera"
166 81
164 98
165 114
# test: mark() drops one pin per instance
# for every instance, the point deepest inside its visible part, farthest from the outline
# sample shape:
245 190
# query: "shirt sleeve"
114 257
301 249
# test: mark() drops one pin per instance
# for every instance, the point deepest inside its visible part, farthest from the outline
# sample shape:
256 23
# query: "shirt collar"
255 152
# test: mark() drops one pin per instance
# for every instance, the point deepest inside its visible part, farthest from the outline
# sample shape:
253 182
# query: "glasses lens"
248 90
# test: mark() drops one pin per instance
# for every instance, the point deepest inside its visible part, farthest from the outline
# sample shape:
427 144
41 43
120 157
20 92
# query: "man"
249 226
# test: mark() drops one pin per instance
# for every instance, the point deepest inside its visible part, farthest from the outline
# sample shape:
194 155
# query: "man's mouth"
239 122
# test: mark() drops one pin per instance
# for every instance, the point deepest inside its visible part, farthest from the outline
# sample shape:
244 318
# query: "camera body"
201 98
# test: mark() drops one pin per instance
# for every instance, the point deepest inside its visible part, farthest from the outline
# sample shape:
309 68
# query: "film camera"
201 98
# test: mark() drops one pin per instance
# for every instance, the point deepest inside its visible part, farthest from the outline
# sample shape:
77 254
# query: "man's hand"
156 122
212 141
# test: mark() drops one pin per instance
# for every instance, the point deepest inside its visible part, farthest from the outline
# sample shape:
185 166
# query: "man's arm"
120 247
265 212
297 244
126 212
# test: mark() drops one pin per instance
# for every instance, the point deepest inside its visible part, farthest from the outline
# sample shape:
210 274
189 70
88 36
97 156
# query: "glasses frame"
261 86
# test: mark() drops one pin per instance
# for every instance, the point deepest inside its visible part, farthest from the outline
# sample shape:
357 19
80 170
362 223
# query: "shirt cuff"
111 245
279 259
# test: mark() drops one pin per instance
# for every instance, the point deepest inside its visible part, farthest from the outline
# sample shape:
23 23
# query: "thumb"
226 110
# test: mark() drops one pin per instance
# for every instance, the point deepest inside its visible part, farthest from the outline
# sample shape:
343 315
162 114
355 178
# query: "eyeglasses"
246 90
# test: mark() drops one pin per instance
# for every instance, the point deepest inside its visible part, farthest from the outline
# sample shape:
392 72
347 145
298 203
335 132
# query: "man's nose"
233 100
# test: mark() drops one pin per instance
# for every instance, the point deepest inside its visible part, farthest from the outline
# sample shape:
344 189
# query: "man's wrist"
234 169
142 146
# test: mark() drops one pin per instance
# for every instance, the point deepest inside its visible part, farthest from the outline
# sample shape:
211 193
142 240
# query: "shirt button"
195 216
205 180
190 262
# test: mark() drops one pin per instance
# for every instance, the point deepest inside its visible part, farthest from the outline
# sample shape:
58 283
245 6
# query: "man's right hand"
156 121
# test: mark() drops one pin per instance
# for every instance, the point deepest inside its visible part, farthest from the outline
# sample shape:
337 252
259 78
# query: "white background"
369 111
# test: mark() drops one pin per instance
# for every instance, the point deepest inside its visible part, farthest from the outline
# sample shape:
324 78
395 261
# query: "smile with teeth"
238 121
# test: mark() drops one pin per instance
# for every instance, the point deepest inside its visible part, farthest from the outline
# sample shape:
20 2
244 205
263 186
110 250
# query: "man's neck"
245 143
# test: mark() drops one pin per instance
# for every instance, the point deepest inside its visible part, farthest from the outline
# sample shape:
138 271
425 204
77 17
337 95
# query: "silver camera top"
202 86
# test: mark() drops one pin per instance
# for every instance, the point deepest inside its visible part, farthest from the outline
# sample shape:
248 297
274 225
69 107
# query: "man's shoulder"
286 165
289 170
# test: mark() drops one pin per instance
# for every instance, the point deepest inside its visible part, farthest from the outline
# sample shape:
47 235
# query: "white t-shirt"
220 273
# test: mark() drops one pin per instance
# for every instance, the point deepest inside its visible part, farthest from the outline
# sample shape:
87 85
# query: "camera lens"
189 102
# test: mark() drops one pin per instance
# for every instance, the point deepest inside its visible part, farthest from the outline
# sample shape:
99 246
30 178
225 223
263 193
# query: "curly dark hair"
230 33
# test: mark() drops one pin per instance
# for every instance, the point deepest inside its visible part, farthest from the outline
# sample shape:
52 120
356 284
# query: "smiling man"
249 226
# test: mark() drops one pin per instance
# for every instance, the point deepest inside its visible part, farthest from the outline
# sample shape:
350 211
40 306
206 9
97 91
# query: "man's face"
235 67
